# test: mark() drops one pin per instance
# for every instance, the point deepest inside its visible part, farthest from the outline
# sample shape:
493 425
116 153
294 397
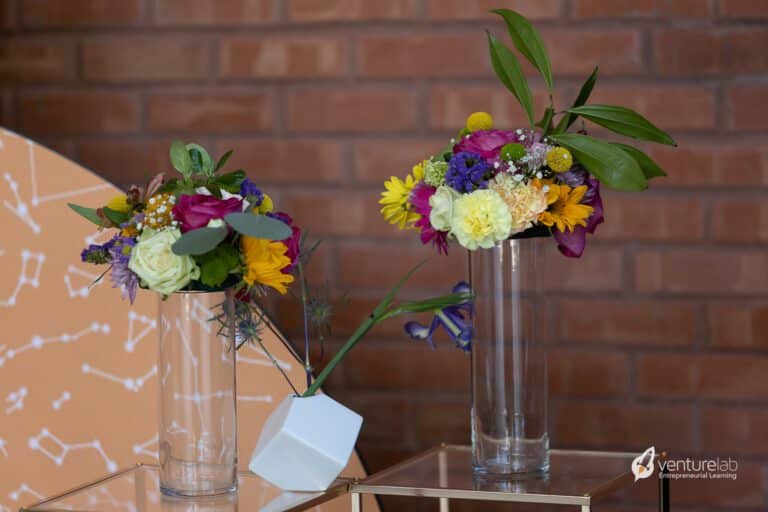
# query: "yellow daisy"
565 211
264 262
394 200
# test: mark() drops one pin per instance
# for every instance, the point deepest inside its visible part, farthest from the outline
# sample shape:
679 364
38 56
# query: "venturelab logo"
684 469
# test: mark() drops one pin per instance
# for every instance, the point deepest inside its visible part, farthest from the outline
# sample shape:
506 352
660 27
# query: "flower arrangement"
491 184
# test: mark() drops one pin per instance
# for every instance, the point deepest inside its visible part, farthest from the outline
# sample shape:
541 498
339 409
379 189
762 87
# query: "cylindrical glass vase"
198 416
509 370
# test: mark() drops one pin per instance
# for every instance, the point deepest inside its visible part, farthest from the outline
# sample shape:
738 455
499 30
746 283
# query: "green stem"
361 331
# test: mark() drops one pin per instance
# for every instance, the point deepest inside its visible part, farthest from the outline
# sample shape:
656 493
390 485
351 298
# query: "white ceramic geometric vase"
305 443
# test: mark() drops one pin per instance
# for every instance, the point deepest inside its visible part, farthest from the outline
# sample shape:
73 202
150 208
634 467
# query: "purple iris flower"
248 189
468 172
456 320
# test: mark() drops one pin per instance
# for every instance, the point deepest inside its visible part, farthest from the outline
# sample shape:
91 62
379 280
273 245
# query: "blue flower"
468 172
452 319
249 190
97 254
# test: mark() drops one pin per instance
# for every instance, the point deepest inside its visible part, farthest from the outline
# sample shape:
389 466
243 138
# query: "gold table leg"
357 503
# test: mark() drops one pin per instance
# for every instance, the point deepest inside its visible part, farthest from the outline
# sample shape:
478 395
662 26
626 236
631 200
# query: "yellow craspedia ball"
119 204
479 121
266 205
559 159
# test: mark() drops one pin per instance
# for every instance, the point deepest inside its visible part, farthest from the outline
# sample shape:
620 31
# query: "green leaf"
115 216
528 42
586 90
258 226
230 181
88 213
180 158
611 165
199 241
223 160
431 304
650 168
216 265
202 163
623 121
508 70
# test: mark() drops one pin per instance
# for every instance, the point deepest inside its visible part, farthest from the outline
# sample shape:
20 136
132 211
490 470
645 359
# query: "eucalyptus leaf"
180 158
528 42
623 121
258 226
88 213
199 241
115 216
223 160
611 165
202 163
650 168
508 69
586 90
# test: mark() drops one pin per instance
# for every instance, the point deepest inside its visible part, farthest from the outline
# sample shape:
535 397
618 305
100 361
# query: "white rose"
442 208
158 267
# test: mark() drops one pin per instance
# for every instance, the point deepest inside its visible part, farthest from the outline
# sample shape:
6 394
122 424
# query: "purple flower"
195 211
571 243
452 319
420 201
248 189
121 276
488 143
97 254
468 172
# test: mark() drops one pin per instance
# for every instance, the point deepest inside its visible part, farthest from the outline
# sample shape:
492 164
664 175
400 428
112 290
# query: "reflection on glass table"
137 490
575 478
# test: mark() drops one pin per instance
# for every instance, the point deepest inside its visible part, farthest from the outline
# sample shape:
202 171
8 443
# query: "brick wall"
660 333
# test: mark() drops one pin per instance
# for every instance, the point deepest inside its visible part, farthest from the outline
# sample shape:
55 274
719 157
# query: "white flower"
481 219
158 267
441 202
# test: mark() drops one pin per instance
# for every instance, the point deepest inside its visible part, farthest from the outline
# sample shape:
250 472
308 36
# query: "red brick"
695 271
37 60
213 12
697 52
622 426
423 55
640 8
624 322
350 10
740 220
403 366
350 110
384 422
734 430
712 164
242 57
672 107
588 374
449 106
442 421
744 493
217 112
77 113
738 325
8 16
80 13
478 9
743 9
374 161
146 59
599 269
108 158
748 108
577 51
713 376
648 217
285 160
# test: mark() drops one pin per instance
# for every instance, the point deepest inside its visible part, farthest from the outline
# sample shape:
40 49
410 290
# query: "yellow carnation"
524 200
481 219
479 121
264 263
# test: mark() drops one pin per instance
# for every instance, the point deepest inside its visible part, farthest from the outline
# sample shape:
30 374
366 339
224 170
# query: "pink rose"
195 211
488 143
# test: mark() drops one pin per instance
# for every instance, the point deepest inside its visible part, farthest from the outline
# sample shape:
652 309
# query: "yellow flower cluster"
158 212
264 263
565 212
394 200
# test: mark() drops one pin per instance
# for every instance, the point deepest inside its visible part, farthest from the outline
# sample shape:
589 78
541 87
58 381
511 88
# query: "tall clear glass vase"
509 371
198 417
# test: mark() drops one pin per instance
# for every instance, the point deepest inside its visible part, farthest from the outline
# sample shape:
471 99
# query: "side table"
576 478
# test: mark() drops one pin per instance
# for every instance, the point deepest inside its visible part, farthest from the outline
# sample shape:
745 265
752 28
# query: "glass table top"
136 489
574 478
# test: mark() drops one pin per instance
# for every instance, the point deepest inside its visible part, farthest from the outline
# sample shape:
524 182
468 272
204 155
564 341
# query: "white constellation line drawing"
3 450
65 397
33 280
21 208
202 315
144 448
24 489
255 398
134 339
108 498
100 236
16 399
35 444
38 342
128 383
83 291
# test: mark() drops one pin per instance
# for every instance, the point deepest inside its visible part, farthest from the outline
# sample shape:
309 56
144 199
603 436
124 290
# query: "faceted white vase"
305 443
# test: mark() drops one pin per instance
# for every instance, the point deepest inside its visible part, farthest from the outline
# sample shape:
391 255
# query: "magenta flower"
488 143
195 211
571 243
293 242
420 201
